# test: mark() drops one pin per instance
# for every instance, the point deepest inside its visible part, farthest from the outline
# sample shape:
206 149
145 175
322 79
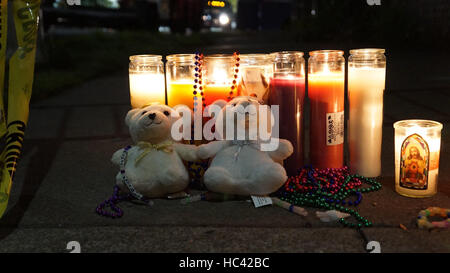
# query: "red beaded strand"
331 180
235 76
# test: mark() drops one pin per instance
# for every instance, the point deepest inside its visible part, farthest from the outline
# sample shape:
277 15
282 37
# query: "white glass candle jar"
366 81
417 147
147 84
256 71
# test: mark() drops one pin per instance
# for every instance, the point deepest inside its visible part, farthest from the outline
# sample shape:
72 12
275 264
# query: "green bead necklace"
311 188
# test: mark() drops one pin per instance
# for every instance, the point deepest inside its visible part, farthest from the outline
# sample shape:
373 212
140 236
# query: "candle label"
335 128
414 163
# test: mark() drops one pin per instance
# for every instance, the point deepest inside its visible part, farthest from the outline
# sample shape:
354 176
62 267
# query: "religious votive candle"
417 148
218 75
287 90
326 72
255 73
147 83
366 81
180 76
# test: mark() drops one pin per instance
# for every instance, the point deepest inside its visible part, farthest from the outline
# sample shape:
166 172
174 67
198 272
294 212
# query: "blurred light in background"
224 19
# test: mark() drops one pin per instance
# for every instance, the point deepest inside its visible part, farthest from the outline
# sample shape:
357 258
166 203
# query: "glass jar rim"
287 53
327 52
367 51
219 56
254 55
422 123
146 57
182 56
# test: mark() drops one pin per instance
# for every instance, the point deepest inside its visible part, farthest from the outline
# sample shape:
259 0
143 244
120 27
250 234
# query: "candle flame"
326 69
220 76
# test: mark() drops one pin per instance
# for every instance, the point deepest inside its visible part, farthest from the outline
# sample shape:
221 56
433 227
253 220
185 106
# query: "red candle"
326 95
289 94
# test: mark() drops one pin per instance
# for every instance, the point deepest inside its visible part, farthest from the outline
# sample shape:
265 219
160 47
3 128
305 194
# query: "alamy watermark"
373 2
73 2
74 246
232 122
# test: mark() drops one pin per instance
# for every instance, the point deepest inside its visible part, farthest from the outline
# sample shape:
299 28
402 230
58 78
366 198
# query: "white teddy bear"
154 166
240 166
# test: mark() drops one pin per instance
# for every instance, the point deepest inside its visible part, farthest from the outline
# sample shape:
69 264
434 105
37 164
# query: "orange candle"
326 95
218 77
215 92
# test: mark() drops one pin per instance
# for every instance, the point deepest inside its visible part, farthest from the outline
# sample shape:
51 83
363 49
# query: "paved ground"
66 171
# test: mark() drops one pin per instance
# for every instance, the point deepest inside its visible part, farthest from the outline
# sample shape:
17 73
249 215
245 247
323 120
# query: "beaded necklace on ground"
329 189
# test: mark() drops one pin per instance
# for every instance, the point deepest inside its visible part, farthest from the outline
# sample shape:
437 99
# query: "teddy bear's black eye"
234 104
143 113
166 113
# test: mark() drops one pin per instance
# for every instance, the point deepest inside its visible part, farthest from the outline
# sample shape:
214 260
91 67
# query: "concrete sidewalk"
65 172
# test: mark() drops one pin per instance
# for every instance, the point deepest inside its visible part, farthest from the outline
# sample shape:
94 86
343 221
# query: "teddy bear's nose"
245 104
152 116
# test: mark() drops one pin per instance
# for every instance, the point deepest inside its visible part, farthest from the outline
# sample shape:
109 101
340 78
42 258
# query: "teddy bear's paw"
285 148
115 159
203 152
218 179
267 179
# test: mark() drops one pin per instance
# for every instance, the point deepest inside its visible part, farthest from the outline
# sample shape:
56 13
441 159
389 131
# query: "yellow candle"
180 75
180 92
146 88
417 147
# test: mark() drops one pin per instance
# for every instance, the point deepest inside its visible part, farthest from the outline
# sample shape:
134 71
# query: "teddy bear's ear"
220 103
130 114
210 109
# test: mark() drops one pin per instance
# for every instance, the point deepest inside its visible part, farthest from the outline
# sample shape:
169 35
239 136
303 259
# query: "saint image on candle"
417 148
414 162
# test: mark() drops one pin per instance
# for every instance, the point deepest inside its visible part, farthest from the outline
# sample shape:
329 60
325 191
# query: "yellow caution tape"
21 72
3 33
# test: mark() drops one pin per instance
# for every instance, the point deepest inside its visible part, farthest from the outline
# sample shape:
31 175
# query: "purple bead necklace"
116 198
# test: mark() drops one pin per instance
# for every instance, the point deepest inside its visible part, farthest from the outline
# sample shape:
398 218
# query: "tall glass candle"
287 89
256 71
326 70
147 84
366 80
218 76
180 75
417 148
